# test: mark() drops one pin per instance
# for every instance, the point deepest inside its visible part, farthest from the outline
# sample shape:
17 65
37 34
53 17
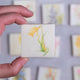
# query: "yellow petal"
50 71
31 34
33 31
77 42
19 39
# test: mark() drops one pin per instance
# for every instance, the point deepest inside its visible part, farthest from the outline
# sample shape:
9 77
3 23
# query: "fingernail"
25 60
28 11
24 21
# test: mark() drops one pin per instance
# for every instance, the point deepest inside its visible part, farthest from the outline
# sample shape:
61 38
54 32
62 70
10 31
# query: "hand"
9 15
13 14
12 69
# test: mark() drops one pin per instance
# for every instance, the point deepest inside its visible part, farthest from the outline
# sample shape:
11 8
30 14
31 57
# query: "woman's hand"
9 15
12 69
13 14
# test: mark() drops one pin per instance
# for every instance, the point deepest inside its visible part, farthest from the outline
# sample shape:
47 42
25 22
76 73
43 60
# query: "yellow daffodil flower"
40 40
33 31
78 42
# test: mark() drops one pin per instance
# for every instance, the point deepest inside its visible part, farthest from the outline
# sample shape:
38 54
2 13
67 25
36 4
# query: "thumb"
9 70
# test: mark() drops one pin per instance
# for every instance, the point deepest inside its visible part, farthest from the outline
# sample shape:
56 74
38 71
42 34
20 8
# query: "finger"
17 8
2 29
9 70
9 18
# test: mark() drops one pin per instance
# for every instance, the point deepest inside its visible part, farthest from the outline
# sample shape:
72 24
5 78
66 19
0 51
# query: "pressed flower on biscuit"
77 43
33 31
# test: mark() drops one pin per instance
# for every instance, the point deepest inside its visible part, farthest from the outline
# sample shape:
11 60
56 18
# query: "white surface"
57 46
44 72
15 44
30 45
76 51
52 13
27 74
65 62
75 14
75 72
